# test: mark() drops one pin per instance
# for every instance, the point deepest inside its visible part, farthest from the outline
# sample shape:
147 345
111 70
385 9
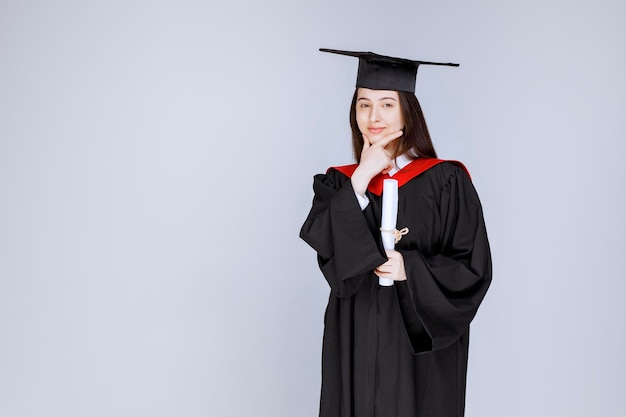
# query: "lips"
375 130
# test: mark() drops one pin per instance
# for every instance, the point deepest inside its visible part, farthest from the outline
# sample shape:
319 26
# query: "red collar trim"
406 174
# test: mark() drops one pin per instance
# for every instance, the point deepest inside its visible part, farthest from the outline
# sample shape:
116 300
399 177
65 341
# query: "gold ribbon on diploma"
397 234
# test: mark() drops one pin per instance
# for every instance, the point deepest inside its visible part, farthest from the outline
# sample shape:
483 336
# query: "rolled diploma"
389 219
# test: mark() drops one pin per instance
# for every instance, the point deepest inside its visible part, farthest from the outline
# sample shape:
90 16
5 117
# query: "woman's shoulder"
346 170
333 178
452 176
448 168
444 175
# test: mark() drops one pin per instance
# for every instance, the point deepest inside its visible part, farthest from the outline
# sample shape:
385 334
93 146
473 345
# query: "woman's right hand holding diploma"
394 267
375 158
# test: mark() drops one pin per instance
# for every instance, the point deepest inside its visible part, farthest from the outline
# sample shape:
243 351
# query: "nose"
374 116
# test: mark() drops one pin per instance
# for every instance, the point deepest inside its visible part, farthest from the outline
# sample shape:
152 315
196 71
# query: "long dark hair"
415 137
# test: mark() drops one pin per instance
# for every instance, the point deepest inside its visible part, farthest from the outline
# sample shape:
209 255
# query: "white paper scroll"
388 221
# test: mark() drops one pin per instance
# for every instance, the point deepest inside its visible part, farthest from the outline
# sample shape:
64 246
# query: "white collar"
400 162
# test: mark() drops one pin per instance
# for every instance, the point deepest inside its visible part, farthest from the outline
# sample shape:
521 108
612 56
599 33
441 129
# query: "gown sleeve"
337 229
444 289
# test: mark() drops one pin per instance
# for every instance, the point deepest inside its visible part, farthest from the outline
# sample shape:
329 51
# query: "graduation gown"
399 351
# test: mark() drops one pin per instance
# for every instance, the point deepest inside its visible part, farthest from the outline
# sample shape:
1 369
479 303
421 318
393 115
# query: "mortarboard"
380 72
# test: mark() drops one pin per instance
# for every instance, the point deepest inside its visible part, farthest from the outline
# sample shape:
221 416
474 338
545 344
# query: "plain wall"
156 162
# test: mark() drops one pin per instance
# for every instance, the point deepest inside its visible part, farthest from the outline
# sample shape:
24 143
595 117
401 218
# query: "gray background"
156 161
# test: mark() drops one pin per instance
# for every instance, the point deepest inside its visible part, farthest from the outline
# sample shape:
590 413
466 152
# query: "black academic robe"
399 351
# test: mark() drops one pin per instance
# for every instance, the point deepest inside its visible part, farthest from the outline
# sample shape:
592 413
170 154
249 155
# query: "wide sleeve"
445 288
338 230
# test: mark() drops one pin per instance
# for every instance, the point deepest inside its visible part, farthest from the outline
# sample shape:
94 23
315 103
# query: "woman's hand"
375 158
393 268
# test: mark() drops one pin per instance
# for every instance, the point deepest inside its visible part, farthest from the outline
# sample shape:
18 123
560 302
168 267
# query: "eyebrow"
380 99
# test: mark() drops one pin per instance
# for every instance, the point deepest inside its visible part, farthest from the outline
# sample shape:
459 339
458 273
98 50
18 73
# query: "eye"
364 105
387 105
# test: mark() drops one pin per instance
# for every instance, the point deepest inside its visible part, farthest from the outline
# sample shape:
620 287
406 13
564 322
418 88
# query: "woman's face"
378 113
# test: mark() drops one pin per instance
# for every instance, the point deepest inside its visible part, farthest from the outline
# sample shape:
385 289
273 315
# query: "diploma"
388 221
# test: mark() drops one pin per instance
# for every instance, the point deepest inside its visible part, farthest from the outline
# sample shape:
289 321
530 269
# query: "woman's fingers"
393 268
375 158
387 139
366 141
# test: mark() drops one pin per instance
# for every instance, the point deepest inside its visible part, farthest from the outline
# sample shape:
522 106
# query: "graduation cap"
380 72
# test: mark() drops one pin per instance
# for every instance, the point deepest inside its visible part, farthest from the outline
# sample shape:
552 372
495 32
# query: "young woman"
401 350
